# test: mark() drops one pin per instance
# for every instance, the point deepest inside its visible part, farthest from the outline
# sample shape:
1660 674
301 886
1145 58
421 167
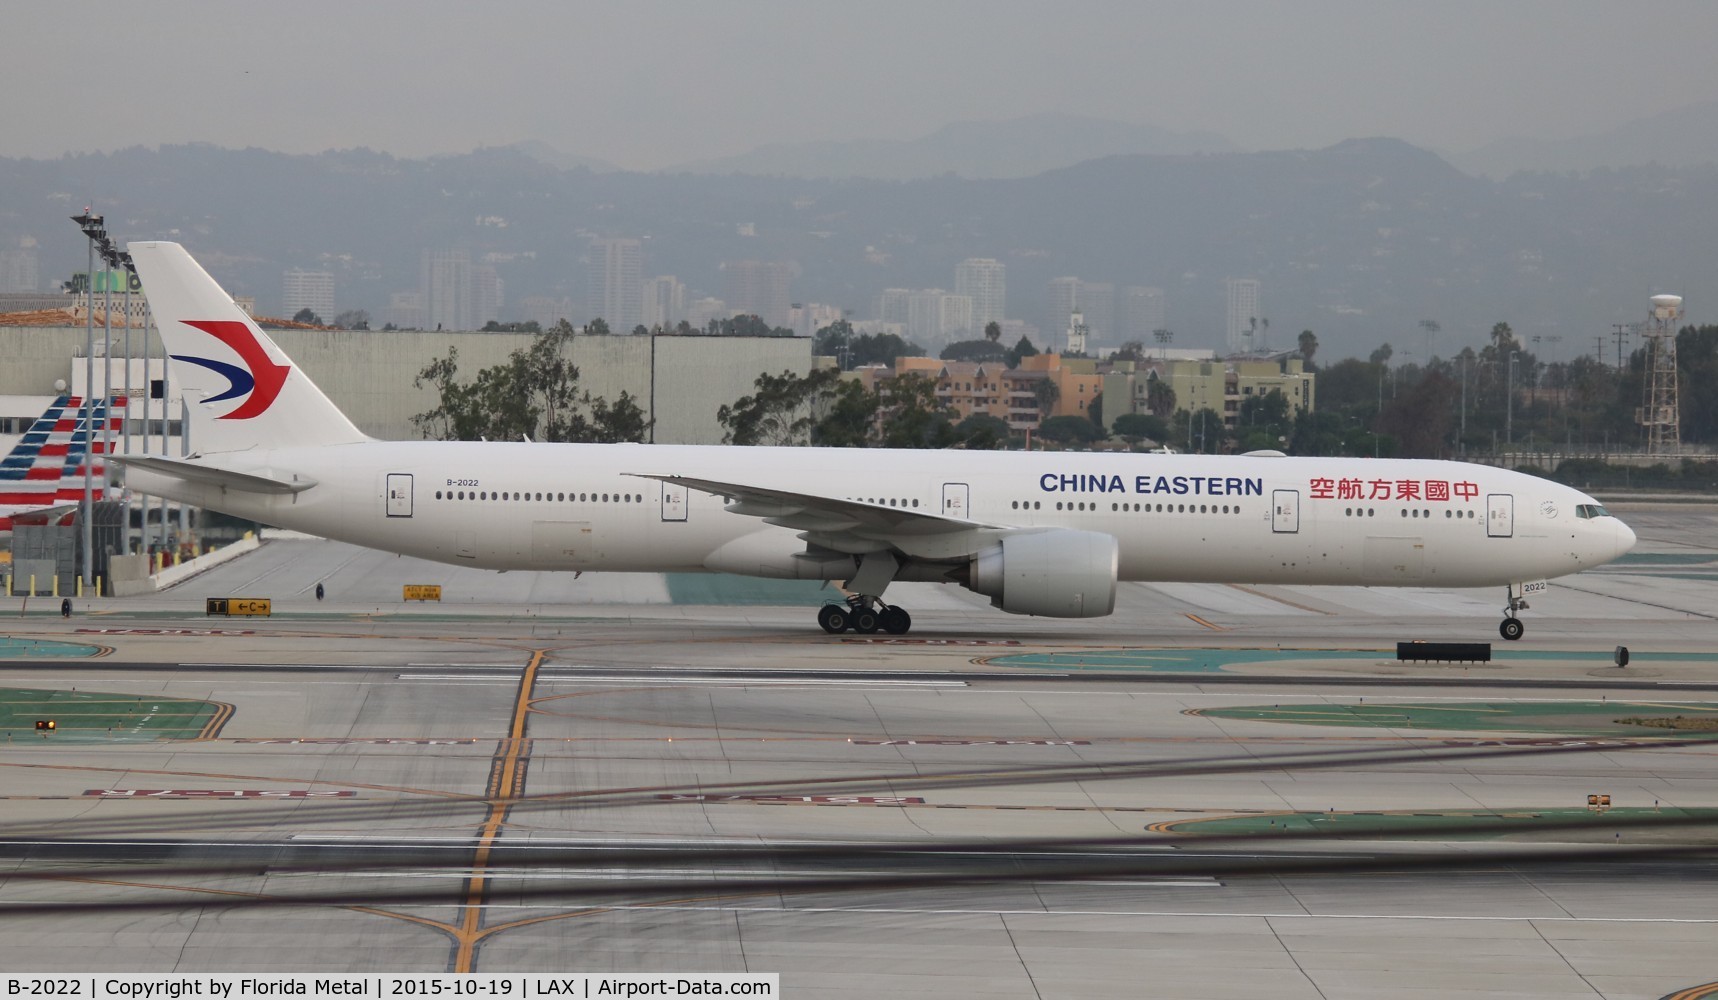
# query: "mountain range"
1359 241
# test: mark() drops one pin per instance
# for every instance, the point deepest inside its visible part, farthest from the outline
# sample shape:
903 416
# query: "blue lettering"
1047 482
1232 487
1214 487
1255 487
1180 486
1162 485
1070 483
1142 484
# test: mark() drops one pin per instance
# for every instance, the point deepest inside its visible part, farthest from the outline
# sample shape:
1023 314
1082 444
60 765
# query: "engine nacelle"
1059 574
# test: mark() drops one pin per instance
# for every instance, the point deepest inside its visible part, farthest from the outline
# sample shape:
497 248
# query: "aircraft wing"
829 516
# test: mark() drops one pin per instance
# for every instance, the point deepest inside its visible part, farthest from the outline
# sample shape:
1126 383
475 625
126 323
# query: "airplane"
45 469
1039 533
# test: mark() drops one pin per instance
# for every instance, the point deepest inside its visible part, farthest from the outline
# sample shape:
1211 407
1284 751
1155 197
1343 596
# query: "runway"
1217 792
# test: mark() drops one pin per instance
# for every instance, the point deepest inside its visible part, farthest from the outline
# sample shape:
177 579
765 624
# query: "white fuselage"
1176 517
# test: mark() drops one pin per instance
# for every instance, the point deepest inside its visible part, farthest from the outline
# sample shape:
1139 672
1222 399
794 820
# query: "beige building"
1220 386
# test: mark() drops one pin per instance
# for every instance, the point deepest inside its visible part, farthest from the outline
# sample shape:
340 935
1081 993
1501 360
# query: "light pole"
93 232
1509 402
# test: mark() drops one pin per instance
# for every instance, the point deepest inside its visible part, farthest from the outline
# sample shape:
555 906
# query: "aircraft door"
1500 515
673 502
956 497
1285 511
399 494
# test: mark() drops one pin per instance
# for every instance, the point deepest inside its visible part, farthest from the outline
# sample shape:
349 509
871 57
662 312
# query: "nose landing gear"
1511 628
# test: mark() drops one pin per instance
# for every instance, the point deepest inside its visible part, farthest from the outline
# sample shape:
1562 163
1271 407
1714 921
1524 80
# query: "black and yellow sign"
234 607
47 724
423 591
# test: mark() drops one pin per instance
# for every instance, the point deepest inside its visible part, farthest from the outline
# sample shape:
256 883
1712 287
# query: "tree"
974 350
1136 427
1046 393
993 332
307 315
533 395
1095 412
982 432
352 319
1264 421
881 349
1022 349
913 416
621 423
1308 346
849 417
1070 430
1203 431
1133 350
596 328
782 411
1159 398
1381 356
834 340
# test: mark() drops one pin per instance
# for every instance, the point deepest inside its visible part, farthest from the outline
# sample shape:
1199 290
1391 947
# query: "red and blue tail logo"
259 381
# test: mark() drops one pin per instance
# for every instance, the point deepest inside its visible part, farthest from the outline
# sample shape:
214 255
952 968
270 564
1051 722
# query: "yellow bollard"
98 590
78 588
56 587
32 585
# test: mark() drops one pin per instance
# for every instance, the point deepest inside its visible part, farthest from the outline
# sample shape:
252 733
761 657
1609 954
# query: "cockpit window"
1590 510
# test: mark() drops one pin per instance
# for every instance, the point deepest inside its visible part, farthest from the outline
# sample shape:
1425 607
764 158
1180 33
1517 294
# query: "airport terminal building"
678 381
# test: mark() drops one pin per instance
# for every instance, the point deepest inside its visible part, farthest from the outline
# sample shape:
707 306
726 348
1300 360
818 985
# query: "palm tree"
993 331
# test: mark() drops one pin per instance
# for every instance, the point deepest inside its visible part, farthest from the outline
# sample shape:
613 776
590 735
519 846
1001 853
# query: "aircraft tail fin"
240 388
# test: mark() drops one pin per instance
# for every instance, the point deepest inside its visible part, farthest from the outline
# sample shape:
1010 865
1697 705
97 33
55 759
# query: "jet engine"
1060 573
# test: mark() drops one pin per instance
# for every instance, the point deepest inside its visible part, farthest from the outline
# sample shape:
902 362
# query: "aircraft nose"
1625 537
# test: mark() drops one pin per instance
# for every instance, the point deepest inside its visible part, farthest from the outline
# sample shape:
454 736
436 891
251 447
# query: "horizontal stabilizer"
208 475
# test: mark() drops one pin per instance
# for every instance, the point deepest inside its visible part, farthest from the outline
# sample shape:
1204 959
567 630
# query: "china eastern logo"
260 380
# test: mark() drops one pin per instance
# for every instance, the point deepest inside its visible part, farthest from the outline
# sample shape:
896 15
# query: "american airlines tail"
46 467
242 391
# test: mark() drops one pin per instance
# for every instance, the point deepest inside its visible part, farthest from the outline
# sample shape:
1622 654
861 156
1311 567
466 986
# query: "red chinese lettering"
1407 489
1467 491
1323 489
1348 489
1380 489
1437 489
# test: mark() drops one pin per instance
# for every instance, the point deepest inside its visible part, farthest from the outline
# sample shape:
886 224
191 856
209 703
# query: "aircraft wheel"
833 618
865 621
1511 629
895 620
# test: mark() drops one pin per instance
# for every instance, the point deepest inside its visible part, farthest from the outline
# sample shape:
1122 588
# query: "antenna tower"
1659 414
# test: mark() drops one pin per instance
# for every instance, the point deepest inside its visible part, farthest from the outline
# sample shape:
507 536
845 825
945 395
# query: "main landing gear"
1512 628
864 615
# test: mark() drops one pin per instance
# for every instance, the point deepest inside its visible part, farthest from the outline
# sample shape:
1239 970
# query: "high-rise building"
936 317
406 311
447 290
759 287
984 280
1064 302
664 302
699 312
487 295
1142 313
617 283
1243 314
312 290
20 270
1098 303
544 310
892 305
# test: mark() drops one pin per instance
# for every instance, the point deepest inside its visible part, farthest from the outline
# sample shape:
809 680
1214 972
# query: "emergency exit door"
1500 515
955 499
673 502
399 494
1285 511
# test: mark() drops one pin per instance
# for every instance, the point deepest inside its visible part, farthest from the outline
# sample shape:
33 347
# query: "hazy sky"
648 84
